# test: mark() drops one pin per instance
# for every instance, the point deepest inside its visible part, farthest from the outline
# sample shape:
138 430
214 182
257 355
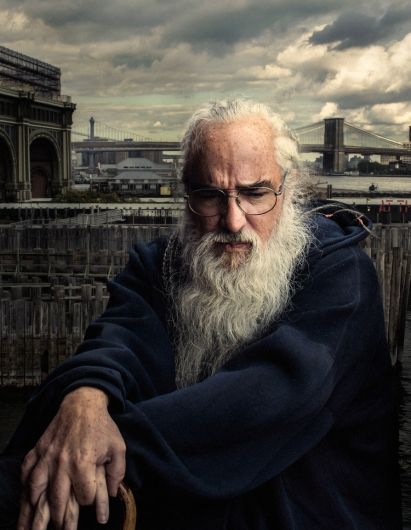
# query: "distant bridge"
332 137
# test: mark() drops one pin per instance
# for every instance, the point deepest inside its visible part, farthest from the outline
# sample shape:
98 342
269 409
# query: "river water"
385 184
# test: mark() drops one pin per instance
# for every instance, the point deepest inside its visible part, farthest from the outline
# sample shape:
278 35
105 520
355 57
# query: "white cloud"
387 113
263 73
13 21
377 69
303 55
329 110
357 70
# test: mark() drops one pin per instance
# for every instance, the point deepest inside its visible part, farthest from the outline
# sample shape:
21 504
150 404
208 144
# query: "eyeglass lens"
252 201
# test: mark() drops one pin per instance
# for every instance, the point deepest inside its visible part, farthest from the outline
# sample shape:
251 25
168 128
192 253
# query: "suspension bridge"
334 138
93 130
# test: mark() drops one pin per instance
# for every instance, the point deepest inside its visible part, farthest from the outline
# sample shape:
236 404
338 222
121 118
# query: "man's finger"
30 460
83 481
41 516
37 481
115 471
72 513
25 515
59 497
102 500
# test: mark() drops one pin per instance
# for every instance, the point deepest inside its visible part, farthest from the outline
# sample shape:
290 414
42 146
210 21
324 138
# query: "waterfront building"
386 159
35 129
136 176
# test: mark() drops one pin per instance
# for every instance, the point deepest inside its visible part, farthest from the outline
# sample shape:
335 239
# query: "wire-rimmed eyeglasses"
252 200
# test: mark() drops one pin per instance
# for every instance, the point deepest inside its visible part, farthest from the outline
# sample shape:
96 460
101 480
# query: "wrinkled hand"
79 460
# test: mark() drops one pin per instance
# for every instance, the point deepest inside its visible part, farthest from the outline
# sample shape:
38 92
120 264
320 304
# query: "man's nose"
234 218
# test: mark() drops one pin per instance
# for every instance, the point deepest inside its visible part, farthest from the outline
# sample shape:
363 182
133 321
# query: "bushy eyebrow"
259 183
200 186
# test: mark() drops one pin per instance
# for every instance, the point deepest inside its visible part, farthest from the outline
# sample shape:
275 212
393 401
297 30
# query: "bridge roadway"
99 146
82 147
355 149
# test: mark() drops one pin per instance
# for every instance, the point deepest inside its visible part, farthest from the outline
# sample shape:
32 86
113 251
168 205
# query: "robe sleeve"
126 352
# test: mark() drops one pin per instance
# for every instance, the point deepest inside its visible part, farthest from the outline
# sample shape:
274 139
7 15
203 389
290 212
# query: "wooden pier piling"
53 283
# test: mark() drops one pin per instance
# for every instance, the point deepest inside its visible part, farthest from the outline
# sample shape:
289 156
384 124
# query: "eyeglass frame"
227 196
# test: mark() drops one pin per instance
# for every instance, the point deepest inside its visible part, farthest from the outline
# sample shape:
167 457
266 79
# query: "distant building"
353 162
35 129
392 160
136 176
407 159
399 165
388 159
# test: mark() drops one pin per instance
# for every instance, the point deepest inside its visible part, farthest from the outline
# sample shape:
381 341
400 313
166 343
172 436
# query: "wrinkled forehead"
251 133
243 146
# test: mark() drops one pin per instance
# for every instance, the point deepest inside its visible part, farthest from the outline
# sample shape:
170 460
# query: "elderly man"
239 377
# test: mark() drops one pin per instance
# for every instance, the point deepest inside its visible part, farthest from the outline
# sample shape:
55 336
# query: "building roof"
142 175
141 163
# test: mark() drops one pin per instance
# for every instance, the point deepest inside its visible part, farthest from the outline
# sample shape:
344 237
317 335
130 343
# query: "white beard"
227 302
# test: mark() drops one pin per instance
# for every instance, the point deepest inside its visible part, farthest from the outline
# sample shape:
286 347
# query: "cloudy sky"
144 65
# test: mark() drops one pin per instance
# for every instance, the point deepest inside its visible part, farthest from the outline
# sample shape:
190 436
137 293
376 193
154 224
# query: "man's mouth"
234 246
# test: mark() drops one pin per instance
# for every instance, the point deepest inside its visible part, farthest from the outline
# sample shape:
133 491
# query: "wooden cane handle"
129 507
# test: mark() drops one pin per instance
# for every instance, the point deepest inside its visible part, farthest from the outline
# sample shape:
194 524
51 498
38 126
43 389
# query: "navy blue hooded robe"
296 432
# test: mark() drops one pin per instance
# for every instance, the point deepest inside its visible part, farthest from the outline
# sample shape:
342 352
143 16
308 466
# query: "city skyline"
144 66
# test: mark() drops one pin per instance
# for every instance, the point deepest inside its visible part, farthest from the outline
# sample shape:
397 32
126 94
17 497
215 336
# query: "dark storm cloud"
188 21
100 13
223 26
351 29
98 21
136 60
363 99
359 29
396 16
229 24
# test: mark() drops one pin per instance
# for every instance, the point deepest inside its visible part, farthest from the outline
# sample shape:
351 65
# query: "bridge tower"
334 160
91 156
